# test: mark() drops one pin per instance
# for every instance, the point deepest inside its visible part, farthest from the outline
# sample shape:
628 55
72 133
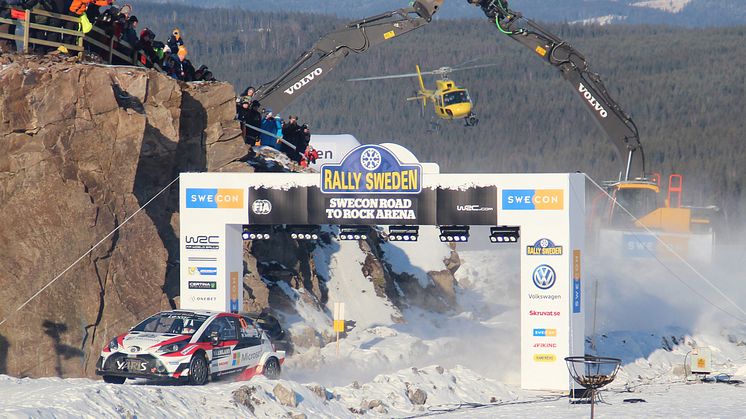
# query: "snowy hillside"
666 12
465 362
673 6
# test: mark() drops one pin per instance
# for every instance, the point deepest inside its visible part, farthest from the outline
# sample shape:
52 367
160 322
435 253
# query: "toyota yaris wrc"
192 346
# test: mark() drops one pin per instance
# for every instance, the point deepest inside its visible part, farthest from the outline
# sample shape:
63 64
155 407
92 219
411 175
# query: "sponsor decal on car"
221 352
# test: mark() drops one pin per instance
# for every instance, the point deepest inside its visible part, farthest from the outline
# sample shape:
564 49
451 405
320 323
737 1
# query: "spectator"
254 119
145 44
272 125
130 31
8 45
244 110
293 134
203 74
175 40
247 93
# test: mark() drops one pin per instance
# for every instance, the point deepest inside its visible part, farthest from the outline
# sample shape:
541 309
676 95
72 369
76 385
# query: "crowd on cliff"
260 127
118 23
270 130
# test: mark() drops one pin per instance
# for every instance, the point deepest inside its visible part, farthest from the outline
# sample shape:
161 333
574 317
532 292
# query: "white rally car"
190 345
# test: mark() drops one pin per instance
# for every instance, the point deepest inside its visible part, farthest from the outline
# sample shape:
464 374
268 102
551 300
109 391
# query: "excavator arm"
574 68
355 37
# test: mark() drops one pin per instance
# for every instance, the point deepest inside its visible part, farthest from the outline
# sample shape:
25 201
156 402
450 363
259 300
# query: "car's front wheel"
198 370
112 379
271 369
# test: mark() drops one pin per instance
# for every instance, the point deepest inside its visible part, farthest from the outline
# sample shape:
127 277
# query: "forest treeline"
685 89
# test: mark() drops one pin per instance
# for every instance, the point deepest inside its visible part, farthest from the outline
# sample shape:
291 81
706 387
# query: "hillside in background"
692 13
681 87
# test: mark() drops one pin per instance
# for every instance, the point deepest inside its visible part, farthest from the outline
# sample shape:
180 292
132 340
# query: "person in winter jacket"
274 125
7 45
253 119
130 31
293 134
175 40
78 7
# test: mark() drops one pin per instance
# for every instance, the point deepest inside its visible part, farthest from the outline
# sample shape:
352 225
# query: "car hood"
138 342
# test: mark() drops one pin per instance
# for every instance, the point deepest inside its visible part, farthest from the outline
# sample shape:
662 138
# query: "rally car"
192 346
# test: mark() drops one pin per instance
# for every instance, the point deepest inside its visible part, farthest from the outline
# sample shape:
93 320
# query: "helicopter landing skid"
471 121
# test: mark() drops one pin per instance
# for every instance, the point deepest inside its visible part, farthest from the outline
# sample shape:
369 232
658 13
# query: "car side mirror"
214 338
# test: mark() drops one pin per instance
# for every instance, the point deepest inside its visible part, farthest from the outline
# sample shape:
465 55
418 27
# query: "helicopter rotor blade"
474 67
394 76
440 71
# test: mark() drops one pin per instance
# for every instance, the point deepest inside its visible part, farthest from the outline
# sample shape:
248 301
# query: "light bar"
404 233
505 234
349 232
304 232
257 232
454 234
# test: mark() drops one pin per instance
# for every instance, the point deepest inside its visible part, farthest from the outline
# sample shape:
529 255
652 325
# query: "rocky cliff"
82 148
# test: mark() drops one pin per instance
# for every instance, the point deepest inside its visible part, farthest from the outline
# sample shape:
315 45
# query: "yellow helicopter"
450 101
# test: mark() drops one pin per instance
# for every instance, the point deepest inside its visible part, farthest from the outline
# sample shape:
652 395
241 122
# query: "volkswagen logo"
134 349
261 207
544 277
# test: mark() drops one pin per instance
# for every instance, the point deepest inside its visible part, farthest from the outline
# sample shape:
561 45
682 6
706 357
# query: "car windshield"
455 97
169 322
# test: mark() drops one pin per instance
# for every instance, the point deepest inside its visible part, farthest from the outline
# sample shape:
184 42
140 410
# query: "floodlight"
505 234
256 232
403 233
454 234
352 232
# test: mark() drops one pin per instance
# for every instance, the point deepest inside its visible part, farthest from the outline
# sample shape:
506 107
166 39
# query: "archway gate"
373 186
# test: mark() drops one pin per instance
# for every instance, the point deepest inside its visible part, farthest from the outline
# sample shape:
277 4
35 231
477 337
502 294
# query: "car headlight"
113 345
172 347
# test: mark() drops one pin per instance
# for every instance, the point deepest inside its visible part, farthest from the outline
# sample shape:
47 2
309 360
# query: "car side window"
225 328
230 332
249 333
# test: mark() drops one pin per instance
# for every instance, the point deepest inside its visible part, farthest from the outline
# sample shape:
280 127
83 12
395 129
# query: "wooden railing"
107 46
27 25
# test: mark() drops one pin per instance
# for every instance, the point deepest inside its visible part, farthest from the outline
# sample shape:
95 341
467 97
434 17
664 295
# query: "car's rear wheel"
113 379
271 369
198 370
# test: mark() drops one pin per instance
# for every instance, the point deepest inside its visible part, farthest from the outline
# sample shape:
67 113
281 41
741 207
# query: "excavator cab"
644 219
639 198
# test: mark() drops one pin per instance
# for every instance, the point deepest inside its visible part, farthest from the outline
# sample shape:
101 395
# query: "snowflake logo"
370 159
544 243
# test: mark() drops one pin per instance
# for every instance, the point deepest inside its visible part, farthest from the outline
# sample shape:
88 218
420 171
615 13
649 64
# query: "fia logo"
261 207
544 277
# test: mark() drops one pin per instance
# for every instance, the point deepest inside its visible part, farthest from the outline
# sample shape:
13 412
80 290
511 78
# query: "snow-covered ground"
650 313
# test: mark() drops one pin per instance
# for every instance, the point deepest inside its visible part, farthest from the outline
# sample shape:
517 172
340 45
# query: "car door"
223 358
249 344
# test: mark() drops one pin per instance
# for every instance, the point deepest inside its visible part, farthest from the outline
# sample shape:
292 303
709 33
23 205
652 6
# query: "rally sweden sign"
371 169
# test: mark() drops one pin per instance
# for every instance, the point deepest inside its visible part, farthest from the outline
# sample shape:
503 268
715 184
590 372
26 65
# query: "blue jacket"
274 126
